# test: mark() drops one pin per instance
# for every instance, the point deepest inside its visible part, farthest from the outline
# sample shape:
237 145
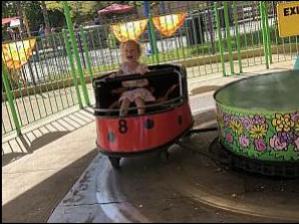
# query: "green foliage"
56 18
200 49
54 5
30 8
81 11
33 13
112 42
8 9
140 3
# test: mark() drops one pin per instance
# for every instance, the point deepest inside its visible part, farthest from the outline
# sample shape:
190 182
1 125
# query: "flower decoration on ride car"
283 122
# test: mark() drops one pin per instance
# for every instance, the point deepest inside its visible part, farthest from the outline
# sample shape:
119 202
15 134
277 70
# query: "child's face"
131 52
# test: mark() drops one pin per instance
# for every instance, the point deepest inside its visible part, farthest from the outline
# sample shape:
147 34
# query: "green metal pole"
238 36
152 36
228 39
220 45
296 64
264 35
85 48
75 48
73 70
153 39
268 32
10 99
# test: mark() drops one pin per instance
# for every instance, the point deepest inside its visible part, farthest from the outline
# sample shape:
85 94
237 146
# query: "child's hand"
142 70
117 91
114 91
113 75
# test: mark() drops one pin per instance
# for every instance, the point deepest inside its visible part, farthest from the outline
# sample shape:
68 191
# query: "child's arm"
118 90
121 89
115 104
142 69
115 74
169 91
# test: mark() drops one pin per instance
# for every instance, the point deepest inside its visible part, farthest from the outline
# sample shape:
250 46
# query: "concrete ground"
187 188
56 175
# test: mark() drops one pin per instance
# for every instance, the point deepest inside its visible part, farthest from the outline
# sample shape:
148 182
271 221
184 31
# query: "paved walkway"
41 178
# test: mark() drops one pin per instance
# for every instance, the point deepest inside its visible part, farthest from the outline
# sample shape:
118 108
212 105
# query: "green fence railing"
218 38
41 87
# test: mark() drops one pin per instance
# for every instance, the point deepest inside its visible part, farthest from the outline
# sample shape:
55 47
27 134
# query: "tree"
140 3
45 14
51 12
34 14
8 9
30 10
81 11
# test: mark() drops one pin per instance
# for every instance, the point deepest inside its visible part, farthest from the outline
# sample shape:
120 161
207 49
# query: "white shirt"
140 69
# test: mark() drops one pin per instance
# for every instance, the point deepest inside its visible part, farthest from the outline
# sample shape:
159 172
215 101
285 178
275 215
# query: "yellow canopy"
130 30
16 54
169 24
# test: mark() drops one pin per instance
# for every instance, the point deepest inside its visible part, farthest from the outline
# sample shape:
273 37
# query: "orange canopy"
169 24
130 30
16 54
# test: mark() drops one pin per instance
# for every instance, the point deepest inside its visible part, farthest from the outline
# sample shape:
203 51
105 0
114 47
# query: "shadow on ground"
190 187
36 204
31 141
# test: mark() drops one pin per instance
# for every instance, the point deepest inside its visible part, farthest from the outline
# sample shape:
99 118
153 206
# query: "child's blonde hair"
124 44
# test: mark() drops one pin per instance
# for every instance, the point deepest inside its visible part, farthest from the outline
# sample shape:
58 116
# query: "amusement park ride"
257 134
163 123
258 120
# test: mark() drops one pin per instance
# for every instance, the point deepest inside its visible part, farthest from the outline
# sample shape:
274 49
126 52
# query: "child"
134 90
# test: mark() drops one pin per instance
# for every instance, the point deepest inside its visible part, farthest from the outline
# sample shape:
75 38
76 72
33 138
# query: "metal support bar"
296 64
75 48
73 70
220 44
85 48
228 38
268 32
238 36
151 31
10 99
264 34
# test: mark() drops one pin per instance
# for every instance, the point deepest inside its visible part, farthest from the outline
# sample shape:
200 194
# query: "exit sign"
288 19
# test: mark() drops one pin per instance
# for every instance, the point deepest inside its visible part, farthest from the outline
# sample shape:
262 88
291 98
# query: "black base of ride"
115 158
268 168
114 161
